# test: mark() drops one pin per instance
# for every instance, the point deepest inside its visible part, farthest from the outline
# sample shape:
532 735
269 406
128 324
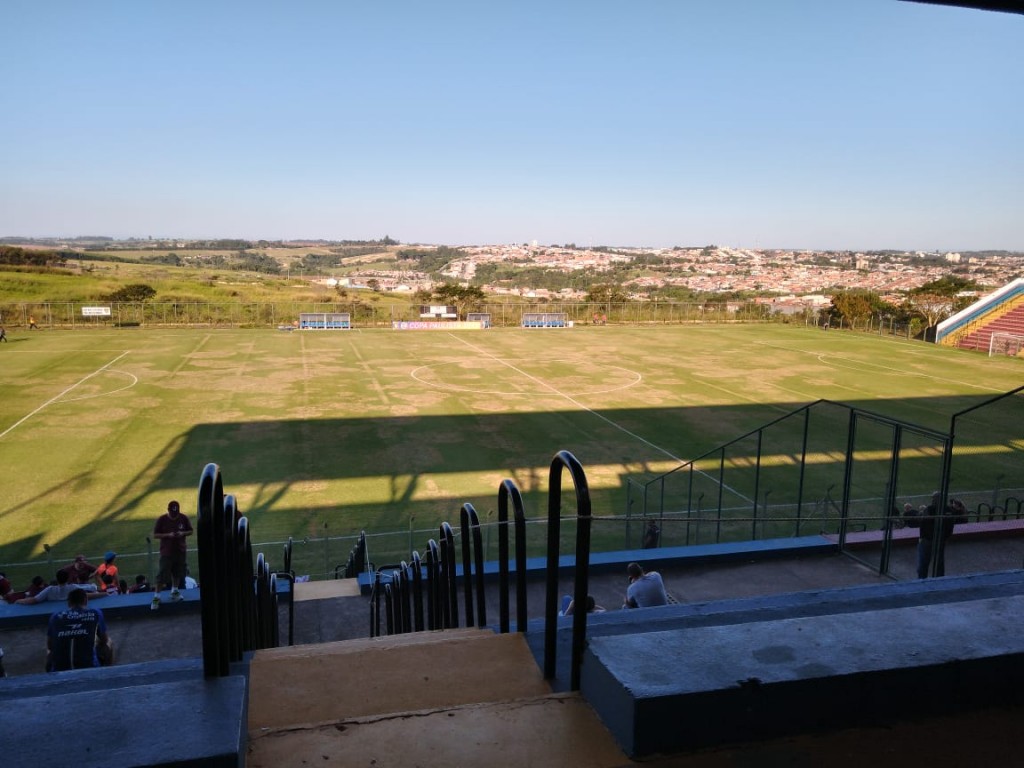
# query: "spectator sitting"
60 590
107 566
37 586
5 585
141 585
646 590
592 606
80 571
109 585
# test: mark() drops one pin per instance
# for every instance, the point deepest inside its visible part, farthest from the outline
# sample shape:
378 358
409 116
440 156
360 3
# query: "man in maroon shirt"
171 529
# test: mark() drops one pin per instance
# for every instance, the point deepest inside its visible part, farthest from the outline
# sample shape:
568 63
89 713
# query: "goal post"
1002 343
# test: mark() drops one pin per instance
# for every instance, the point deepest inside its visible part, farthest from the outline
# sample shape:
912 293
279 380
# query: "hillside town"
568 272
714 270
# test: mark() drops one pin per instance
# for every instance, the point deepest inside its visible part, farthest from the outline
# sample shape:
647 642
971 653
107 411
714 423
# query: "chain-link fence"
369 313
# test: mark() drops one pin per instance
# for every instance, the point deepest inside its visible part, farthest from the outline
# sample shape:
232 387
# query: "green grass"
323 434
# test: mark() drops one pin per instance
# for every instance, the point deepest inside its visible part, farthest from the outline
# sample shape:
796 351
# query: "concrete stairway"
703 675
175 717
465 697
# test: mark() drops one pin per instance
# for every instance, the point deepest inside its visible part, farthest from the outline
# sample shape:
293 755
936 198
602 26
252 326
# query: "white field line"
829 358
591 411
569 398
54 399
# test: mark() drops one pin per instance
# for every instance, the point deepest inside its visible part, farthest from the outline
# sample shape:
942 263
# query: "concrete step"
188 721
100 679
808 603
555 731
307 685
683 689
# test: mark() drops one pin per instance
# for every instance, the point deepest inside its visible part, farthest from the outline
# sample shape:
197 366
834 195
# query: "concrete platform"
556 731
334 682
684 689
460 697
183 722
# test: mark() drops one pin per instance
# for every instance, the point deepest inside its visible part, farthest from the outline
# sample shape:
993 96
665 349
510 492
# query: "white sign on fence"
95 311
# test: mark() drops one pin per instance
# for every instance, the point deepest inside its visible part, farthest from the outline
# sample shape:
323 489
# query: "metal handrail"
508 491
473 555
210 508
238 602
289 575
565 460
433 585
417 592
449 596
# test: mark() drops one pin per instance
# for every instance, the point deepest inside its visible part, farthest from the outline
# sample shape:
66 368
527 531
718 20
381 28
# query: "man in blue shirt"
646 589
72 636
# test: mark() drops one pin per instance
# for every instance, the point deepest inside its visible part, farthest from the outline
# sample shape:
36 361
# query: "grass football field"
323 434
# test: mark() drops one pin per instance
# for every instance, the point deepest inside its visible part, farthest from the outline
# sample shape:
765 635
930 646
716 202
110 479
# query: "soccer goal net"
1005 344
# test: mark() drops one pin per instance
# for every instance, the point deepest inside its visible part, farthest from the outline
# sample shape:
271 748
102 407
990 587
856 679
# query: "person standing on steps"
172 529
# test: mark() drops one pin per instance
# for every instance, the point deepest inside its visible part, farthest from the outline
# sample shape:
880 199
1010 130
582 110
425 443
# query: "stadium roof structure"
1004 6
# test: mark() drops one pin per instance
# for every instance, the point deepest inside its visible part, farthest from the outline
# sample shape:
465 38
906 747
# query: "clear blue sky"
791 123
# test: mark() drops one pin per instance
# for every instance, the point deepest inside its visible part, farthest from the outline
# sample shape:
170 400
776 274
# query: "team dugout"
546 320
325 321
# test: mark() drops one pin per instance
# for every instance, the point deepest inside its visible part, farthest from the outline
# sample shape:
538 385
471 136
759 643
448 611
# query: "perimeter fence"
158 314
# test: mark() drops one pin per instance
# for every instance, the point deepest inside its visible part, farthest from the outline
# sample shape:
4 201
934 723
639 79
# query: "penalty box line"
55 398
570 398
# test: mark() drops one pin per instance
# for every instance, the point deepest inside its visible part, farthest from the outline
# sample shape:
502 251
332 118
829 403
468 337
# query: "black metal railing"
401 587
238 602
422 593
472 562
358 560
508 492
565 460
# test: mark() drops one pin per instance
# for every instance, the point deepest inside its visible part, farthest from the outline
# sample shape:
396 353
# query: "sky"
826 124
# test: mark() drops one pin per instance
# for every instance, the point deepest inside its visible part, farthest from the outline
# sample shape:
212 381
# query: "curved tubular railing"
433 585
375 592
470 525
403 596
209 535
417 592
508 491
244 587
381 588
449 593
467 559
1013 503
389 609
262 601
232 597
272 624
289 575
565 460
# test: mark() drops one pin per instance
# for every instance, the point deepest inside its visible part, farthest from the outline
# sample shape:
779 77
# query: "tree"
938 299
136 292
373 284
854 305
463 297
605 293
